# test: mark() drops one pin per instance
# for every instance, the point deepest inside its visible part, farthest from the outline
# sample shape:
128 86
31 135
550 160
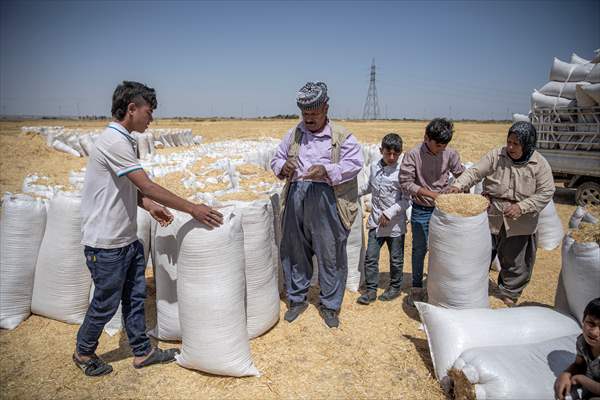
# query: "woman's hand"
513 211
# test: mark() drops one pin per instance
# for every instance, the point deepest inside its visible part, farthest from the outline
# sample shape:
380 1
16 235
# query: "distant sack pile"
80 143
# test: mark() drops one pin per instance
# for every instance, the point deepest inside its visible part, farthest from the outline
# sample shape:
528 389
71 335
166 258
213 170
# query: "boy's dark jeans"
118 276
396 249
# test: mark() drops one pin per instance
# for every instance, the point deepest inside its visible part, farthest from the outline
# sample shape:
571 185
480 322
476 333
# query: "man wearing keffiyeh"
320 161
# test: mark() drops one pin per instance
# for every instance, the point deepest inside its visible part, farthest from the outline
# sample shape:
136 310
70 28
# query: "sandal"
158 356
95 366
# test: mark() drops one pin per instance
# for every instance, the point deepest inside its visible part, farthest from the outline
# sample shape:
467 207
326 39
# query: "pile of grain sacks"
571 84
80 143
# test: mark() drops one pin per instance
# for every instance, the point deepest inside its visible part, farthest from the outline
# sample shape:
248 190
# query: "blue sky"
458 59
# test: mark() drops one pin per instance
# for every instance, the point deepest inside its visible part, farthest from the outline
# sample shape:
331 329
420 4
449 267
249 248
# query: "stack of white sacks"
517 352
80 143
571 84
47 274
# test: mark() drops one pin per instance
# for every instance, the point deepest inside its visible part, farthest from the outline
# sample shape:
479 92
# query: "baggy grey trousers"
311 225
517 257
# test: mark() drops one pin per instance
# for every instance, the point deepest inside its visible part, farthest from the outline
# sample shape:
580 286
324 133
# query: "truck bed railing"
569 128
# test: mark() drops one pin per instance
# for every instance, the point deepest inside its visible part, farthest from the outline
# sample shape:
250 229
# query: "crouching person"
115 184
387 221
585 371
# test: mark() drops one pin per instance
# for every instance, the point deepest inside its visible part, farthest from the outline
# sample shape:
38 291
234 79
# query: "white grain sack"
21 231
211 290
62 280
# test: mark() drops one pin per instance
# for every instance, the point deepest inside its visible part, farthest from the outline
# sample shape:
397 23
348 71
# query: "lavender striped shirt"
315 149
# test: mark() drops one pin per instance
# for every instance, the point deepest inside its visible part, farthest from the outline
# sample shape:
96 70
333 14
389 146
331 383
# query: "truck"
569 138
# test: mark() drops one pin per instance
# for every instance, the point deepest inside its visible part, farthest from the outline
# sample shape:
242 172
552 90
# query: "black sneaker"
367 298
390 294
330 317
294 311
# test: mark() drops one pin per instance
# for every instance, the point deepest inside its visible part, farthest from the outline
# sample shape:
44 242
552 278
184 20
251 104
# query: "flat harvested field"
378 352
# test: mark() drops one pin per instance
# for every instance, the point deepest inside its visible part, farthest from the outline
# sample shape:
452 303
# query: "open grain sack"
452 332
21 231
165 252
460 247
550 232
525 372
62 280
580 273
262 291
211 290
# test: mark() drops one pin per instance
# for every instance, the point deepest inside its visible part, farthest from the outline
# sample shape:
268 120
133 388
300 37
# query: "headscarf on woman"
527 137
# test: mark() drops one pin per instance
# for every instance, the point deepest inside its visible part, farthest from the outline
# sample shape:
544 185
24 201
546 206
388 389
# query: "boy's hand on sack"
161 214
207 215
562 385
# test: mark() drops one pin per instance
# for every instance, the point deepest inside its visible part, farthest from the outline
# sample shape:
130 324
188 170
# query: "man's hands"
562 385
383 220
316 172
207 215
289 167
512 211
453 189
161 214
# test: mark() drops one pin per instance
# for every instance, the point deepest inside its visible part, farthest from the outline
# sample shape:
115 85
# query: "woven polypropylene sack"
144 223
211 289
580 274
262 292
450 332
459 260
165 252
565 72
524 372
561 89
549 230
62 280
355 250
21 231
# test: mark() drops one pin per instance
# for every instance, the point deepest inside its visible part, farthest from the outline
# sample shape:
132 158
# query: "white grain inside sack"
211 289
459 260
62 280
21 231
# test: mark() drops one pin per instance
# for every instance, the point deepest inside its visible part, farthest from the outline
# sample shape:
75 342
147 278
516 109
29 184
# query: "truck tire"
588 193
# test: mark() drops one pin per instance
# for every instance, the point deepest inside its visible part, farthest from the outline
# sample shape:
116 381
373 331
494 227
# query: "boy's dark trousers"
396 249
118 276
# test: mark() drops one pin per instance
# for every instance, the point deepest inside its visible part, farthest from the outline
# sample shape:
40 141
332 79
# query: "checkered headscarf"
312 95
527 136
